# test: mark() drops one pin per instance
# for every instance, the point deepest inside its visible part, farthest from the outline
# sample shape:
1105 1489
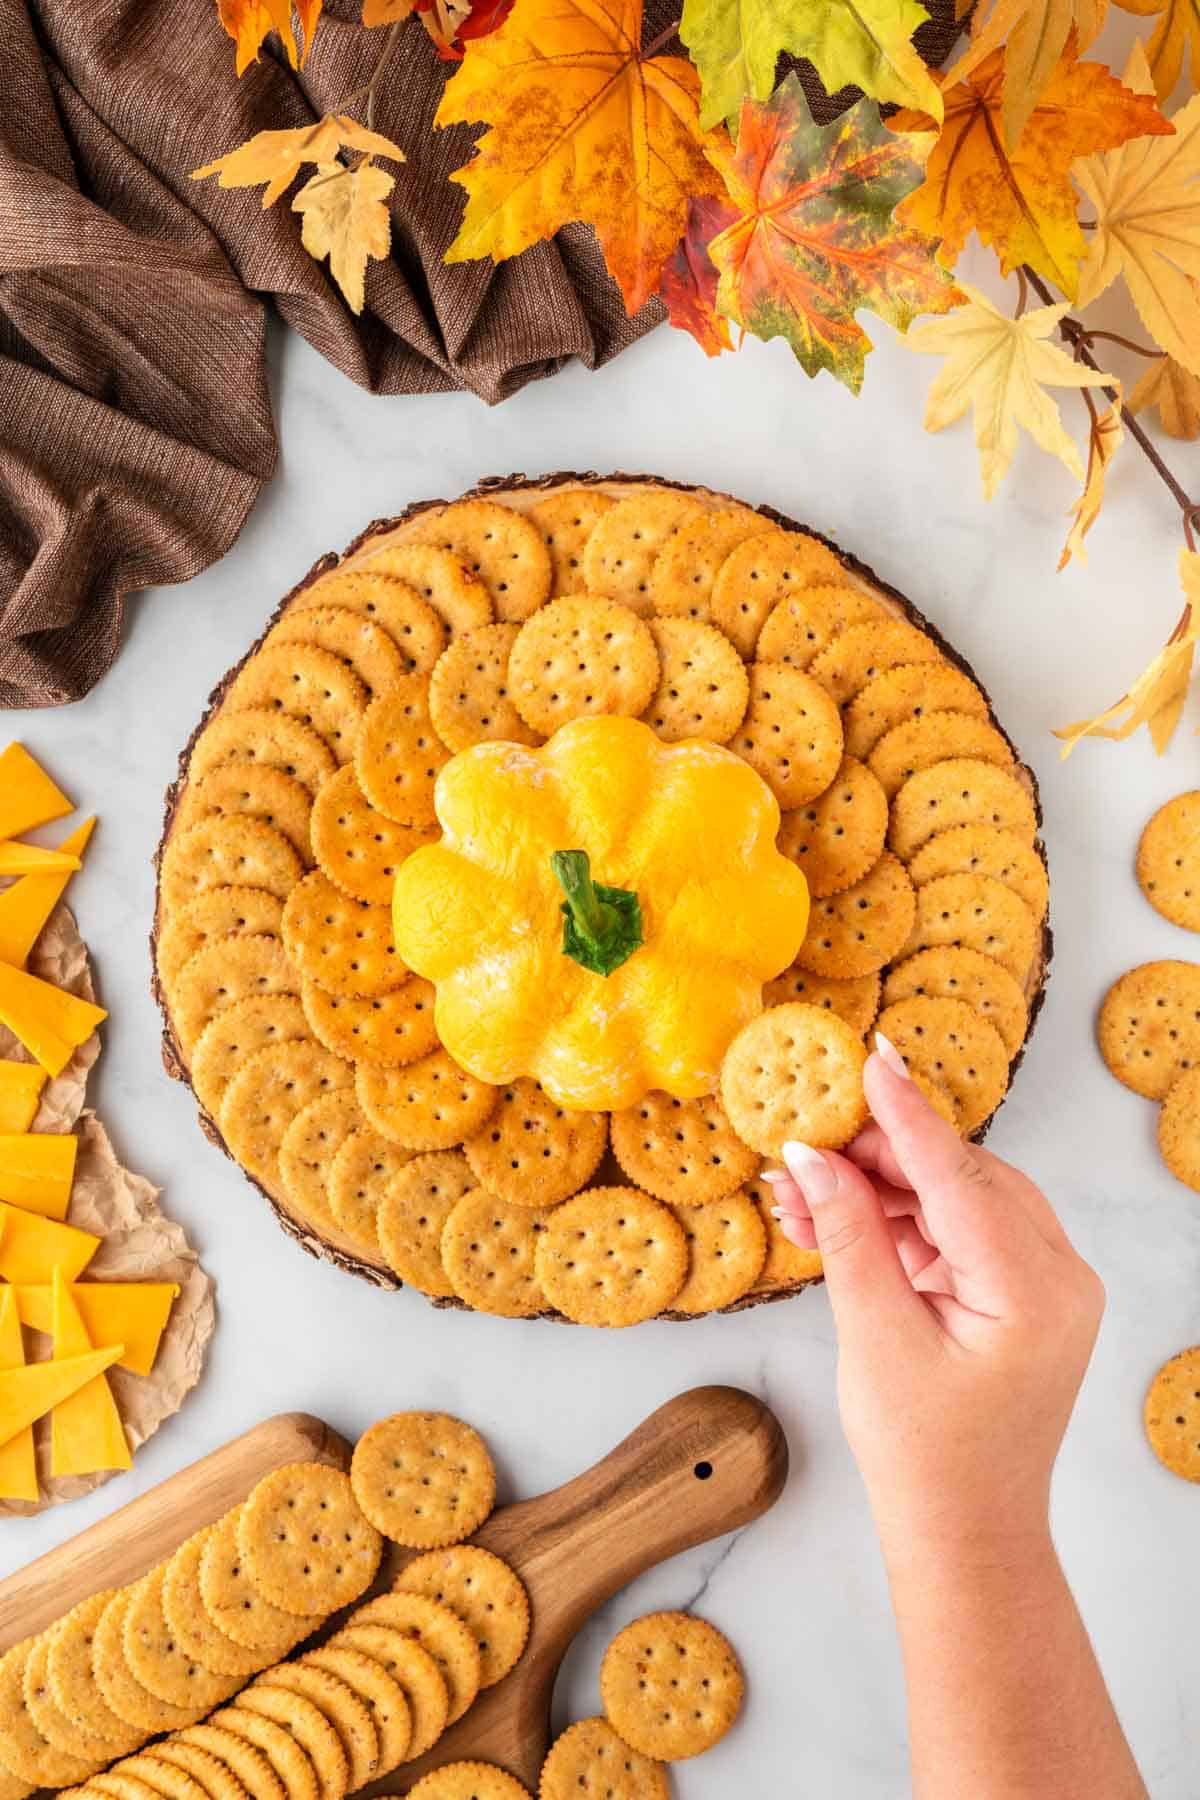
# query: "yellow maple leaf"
250 22
1034 34
1021 200
386 12
583 127
1177 31
1000 367
1147 201
1156 699
1175 391
1107 435
276 157
346 218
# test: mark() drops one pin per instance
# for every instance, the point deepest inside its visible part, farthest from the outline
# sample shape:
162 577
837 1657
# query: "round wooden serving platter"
522 493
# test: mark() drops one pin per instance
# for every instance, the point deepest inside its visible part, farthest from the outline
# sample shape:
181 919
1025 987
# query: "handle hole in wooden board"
702 1471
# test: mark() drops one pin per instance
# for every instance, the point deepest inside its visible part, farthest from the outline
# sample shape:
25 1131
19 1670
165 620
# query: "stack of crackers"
314 1051
197 1654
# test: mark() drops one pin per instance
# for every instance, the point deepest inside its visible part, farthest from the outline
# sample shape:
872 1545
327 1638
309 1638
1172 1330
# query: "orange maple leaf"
689 283
582 126
250 22
1022 201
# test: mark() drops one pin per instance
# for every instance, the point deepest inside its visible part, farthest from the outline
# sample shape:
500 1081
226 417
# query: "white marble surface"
801 1593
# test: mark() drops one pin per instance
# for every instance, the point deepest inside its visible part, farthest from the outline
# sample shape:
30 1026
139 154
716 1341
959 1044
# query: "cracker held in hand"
795 1072
423 1479
671 1685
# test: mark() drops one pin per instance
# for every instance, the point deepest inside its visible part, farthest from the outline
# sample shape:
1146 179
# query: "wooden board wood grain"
706 1463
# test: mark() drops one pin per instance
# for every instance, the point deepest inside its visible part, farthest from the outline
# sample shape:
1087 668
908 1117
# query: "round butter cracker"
1168 861
859 930
399 754
227 851
343 944
1179 1129
980 913
413 625
486 1594
799 628
214 913
854 998
235 1034
935 737
703 688
620 554
686 568
469 701
309 684
566 520
671 1685
436 1628
412 1216
267 738
962 791
533 1152
908 691
251 791
228 972
612 1257
760 573
469 1781
361 1172
589 1761
956 1050
581 657
835 839
956 972
727 1247
357 847
1172 1414
430 1104
353 635
498 545
424 1479
982 850
682 1151
489 1251
795 1072
861 652
266 1094
305 1540
791 734
392 1029
1149 1026
457 599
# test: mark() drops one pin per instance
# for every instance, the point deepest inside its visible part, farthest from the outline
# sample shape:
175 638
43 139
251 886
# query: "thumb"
868 1289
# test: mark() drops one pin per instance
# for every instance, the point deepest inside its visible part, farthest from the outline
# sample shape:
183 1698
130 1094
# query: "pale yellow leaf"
1156 699
346 219
386 12
1175 391
1001 367
1105 440
276 157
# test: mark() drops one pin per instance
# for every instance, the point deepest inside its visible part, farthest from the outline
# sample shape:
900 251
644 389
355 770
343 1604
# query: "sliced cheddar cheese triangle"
28 797
28 903
132 1313
21 1085
30 1393
37 1169
17 858
18 1463
32 1248
86 1433
49 1022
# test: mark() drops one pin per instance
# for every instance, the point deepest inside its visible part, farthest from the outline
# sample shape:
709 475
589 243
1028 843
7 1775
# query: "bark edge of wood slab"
120 1548
705 1463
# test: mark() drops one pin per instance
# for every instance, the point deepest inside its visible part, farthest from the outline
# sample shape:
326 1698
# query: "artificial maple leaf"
736 45
1147 201
1034 34
1177 33
1105 439
582 127
346 218
1021 201
308 12
813 239
250 22
689 281
451 24
1000 367
276 157
387 12
1175 391
1156 699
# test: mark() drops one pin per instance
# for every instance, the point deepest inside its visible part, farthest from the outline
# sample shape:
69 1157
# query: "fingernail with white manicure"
891 1057
774 1175
811 1173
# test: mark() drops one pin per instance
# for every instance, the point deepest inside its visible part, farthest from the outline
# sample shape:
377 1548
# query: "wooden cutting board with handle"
706 1463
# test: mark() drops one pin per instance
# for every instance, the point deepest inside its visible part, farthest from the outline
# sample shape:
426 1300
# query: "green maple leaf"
736 44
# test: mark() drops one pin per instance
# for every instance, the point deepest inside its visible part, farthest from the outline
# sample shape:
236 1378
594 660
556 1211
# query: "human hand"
965 1321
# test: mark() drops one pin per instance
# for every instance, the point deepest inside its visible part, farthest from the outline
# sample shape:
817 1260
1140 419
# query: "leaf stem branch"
662 40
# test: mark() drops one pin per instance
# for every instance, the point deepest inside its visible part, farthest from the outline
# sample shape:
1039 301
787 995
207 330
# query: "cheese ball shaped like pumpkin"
672 883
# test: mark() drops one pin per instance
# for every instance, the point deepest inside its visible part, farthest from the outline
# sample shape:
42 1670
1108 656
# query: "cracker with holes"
1168 861
311 1729
226 851
284 1757
791 734
436 1628
762 572
800 627
403 1690
343 944
430 1104
469 702
157 1659
671 1685
533 1152
306 1541
359 848
71 1677
908 691
620 554
362 1169
412 1216
266 738
196 1632
309 1151
861 652
983 850
455 596
687 566
264 1097
489 1252
469 1781
1149 1026
485 1593
310 684
393 1028
371 652
345 1710
28 1755
225 972
981 913
251 791
1179 1129
235 1034
498 545
683 1151
703 688
854 998
233 1600
611 1256
45 1716
417 629
399 753
1172 1414
957 972
727 1247
795 1072
862 928
785 1265
578 658
838 837
954 1048
424 1479
215 913
566 520
590 1759
124 1694
933 738
961 791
